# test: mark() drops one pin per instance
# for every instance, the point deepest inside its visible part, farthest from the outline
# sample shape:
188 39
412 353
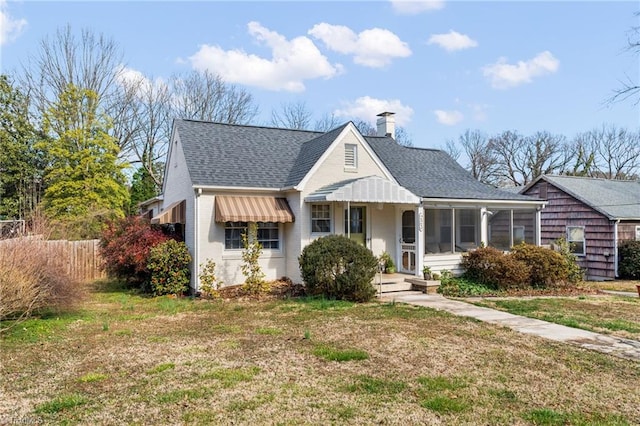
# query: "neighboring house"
418 205
151 207
594 215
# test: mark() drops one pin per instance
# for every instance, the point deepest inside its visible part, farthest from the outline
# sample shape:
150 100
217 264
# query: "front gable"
348 157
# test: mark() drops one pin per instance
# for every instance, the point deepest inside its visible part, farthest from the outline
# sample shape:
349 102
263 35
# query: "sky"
441 66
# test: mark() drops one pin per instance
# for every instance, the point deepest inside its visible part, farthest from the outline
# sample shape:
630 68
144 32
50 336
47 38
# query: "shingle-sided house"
594 215
418 205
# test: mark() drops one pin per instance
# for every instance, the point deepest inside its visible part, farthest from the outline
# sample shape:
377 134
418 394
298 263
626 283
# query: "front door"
355 224
408 242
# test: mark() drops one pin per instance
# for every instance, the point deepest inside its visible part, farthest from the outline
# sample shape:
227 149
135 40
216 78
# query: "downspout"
615 247
196 241
349 219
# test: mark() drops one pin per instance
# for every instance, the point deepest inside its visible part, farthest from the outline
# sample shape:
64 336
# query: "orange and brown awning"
174 213
252 209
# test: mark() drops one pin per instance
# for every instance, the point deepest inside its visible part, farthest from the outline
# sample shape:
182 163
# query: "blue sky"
442 66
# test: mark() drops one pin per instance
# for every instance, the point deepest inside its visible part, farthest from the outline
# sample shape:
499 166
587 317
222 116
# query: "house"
417 204
594 215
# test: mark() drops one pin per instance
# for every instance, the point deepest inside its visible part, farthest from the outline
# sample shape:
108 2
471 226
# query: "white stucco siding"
293 237
178 186
229 262
333 169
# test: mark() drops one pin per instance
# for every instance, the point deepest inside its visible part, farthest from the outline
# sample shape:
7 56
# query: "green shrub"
547 267
463 287
252 249
169 266
575 273
338 268
209 283
491 267
629 266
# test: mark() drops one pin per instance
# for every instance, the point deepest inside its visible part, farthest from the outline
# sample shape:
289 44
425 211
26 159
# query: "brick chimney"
386 124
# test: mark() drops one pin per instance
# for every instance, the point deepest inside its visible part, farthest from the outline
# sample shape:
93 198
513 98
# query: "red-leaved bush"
126 245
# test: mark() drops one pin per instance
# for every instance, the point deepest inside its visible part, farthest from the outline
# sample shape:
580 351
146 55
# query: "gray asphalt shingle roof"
252 156
617 199
432 173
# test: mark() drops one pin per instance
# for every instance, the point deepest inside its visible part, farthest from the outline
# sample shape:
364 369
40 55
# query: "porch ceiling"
371 189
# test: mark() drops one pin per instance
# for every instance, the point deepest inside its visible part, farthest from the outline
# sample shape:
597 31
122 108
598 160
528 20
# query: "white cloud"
452 41
414 7
292 62
366 108
10 28
448 118
480 111
504 75
135 80
375 47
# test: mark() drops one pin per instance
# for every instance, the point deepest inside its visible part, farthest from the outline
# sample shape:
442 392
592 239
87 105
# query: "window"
233 235
268 235
351 156
320 218
637 233
508 228
466 220
409 226
575 238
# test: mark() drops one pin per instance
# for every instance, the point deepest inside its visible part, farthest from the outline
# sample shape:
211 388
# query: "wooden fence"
80 259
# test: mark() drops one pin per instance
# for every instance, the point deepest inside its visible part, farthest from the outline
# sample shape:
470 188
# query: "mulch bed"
283 288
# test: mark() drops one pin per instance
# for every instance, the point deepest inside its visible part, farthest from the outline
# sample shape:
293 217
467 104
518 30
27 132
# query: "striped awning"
252 209
173 213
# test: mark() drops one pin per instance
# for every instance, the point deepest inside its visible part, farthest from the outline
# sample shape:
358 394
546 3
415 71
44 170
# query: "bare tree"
452 149
547 154
510 153
403 137
482 160
617 152
90 61
292 115
205 96
630 86
149 123
327 122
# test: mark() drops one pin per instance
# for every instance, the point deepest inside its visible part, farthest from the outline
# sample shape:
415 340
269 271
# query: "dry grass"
617 285
29 284
127 359
614 315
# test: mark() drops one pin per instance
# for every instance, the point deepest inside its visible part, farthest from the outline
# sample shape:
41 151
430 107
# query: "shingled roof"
616 199
253 156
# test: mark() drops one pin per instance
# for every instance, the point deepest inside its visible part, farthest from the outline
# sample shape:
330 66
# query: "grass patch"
319 303
440 383
549 417
231 376
444 405
93 377
161 367
269 331
330 353
61 403
603 314
421 364
375 386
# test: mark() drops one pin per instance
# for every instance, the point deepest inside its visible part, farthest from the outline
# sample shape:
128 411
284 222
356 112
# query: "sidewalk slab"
616 346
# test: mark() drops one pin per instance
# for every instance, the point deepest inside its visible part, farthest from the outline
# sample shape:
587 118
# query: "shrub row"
525 266
145 257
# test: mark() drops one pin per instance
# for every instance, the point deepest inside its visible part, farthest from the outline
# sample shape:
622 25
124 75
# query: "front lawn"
615 315
128 359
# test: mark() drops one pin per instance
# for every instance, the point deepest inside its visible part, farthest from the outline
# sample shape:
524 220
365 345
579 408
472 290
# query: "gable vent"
351 156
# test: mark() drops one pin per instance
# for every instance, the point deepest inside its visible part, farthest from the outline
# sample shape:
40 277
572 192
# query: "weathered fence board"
80 259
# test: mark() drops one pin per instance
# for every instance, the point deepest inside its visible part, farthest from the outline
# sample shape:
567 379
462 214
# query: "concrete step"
425 286
393 286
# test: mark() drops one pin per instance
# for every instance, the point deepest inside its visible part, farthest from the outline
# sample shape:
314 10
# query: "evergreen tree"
20 162
84 178
143 187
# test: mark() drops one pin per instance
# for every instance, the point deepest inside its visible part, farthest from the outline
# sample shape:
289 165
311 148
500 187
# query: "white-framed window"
575 238
637 233
518 234
233 235
320 218
268 235
350 156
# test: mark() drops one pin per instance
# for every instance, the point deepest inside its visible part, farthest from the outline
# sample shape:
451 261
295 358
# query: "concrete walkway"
623 348
621 293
